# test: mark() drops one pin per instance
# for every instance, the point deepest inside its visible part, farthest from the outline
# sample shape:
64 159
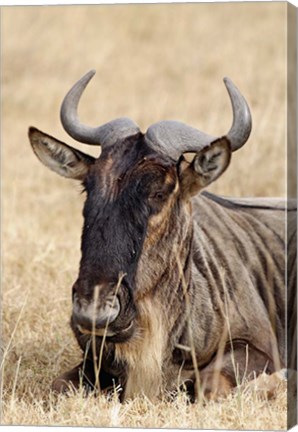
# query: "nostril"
88 316
108 310
81 321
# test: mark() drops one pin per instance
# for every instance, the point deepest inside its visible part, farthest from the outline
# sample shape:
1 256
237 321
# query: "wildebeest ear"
59 157
207 165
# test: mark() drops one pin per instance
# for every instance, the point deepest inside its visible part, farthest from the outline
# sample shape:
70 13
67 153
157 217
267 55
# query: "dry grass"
233 413
154 62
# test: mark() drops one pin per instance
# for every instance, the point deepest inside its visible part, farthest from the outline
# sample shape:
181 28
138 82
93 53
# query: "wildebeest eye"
157 200
159 196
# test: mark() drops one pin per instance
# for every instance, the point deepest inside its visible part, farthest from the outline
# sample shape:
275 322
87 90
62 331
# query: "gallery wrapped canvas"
155 285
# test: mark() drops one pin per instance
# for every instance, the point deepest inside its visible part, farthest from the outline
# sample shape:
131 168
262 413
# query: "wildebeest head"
136 179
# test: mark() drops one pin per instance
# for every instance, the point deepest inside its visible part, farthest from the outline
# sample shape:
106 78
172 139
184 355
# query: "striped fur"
232 253
202 297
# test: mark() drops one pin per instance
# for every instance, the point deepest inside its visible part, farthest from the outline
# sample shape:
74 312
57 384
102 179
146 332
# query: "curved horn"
106 134
175 138
242 122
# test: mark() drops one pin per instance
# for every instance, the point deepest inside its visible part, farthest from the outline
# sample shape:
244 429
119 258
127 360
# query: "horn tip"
90 74
228 82
87 77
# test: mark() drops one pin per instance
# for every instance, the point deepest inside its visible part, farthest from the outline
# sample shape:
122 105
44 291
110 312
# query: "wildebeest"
176 288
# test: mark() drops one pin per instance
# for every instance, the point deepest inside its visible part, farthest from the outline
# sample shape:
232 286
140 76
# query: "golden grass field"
153 62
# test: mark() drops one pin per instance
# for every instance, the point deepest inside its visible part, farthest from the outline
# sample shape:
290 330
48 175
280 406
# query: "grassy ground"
154 62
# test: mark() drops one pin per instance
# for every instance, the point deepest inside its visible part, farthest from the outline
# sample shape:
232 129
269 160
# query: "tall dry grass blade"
6 350
120 278
189 329
12 400
93 338
84 376
13 332
228 324
97 361
226 335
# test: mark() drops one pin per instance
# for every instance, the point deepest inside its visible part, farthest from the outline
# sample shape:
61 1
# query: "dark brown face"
132 190
125 186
